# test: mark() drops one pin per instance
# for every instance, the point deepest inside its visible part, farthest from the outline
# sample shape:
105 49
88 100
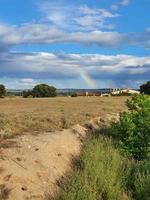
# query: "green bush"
44 90
74 95
145 88
27 93
133 128
2 91
121 94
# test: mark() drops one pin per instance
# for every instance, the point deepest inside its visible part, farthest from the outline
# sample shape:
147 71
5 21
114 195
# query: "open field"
18 115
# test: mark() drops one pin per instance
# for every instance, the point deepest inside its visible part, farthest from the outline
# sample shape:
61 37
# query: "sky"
74 44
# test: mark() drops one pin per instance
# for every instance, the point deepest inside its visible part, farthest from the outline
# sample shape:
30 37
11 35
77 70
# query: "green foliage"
98 174
145 88
122 94
74 95
103 173
27 93
133 128
2 91
138 102
43 90
141 180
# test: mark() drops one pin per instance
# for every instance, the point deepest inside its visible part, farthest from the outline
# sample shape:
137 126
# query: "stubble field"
19 116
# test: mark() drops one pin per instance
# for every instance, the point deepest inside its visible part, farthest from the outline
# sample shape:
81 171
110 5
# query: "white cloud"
125 2
59 67
27 81
121 3
94 19
50 62
85 26
24 83
146 39
76 17
45 34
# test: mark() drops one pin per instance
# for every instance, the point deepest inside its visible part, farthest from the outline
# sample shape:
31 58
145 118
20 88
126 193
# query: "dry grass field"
19 116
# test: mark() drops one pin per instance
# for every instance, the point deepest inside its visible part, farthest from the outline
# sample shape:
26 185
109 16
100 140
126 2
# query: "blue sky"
74 44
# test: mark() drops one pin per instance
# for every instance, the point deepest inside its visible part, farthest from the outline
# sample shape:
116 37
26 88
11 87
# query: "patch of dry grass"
18 115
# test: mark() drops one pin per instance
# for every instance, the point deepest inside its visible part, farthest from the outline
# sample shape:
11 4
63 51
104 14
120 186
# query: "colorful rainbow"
86 77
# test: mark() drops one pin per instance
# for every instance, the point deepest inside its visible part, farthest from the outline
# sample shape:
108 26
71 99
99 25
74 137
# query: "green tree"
2 91
27 93
74 94
145 88
133 128
44 90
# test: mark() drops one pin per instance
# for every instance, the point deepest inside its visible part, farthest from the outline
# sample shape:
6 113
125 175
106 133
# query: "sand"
31 165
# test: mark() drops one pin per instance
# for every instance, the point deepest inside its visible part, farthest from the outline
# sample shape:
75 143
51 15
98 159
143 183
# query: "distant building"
131 91
127 91
88 94
105 95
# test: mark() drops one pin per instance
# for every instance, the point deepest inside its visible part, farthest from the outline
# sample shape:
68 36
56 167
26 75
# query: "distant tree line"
40 90
44 90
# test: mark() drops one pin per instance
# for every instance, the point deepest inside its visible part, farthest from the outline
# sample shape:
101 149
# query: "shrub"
43 90
74 95
145 88
27 93
133 128
2 91
121 94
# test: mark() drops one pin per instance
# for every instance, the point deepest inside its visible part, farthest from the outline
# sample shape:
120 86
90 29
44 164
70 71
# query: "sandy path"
30 165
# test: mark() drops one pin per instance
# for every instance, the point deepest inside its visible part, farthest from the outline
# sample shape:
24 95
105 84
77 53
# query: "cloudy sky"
74 44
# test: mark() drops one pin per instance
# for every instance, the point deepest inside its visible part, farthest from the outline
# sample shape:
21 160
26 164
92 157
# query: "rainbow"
86 77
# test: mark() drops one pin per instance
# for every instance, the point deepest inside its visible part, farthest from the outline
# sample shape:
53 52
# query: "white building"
127 91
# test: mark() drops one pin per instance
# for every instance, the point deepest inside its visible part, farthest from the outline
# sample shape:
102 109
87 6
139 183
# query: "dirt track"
31 165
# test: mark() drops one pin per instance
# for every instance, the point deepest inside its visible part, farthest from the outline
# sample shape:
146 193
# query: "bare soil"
31 165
